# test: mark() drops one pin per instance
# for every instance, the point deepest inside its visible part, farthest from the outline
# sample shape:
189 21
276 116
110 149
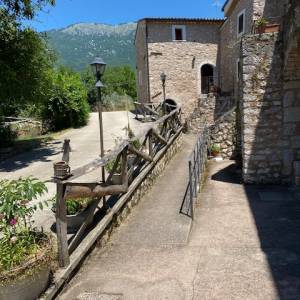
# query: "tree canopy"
24 8
25 64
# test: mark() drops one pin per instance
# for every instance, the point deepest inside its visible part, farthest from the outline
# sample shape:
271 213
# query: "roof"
228 5
185 20
226 2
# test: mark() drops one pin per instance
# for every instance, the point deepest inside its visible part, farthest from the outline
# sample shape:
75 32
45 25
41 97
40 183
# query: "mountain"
78 44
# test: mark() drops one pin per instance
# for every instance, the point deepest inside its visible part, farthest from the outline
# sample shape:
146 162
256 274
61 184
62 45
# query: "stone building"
186 50
259 74
240 18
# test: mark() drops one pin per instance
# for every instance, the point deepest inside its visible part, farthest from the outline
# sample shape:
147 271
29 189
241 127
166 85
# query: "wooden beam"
84 225
133 150
114 168
61 227
159 137
66 151
93 190
99 162
124 175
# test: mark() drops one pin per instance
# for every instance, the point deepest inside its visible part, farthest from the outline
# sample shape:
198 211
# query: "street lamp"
98 68
163 78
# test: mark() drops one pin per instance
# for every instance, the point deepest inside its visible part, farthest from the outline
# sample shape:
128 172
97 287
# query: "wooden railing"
151 140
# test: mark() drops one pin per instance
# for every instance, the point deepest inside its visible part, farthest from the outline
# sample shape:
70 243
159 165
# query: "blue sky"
68 12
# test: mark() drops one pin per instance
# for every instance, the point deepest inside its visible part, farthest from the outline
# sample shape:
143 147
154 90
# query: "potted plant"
264 26
215 150
25 252
77 212
116 177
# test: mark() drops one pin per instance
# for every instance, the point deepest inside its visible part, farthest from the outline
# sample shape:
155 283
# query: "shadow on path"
276 212
23 160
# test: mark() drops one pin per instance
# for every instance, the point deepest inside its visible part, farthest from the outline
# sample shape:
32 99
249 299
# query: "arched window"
207 78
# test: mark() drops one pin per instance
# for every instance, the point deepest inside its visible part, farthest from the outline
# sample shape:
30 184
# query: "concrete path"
244 244
85 144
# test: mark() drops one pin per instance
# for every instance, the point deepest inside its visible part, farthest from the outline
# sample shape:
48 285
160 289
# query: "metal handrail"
196 165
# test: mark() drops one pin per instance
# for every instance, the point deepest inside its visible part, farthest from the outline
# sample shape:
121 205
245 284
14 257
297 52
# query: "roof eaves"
226 2
198 20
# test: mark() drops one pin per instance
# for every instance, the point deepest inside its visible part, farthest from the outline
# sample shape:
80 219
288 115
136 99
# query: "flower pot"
269 28
272 28
61 170
75 221
27 287
116 179
215 153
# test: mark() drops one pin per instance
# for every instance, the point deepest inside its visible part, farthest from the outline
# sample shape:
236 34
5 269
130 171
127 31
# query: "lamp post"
98 68
163 78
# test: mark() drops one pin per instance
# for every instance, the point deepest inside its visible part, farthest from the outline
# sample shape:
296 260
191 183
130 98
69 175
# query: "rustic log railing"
149 111
152 141
196 167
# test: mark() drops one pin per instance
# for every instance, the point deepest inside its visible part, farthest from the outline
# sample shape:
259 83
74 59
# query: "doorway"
207 78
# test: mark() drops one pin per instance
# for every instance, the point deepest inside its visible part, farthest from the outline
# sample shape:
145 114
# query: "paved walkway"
85 144
244 244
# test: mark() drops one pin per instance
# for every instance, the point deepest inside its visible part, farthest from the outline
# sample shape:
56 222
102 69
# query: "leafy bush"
67 105
119 87
261 22
215 149
19 239
26 63
74 206
17 249
7 136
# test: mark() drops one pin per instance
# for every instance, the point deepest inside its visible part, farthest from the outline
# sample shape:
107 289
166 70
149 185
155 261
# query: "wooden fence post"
61 226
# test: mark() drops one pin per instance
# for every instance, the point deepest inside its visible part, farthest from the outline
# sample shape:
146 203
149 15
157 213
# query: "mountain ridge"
77 44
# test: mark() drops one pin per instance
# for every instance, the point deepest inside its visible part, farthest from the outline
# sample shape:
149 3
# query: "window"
241 23
178 33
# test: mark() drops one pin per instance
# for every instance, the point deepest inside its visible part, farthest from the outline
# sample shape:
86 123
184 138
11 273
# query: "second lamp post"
163 78
98 67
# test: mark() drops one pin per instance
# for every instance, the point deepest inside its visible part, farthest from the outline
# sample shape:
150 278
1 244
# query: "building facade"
186 50
259 73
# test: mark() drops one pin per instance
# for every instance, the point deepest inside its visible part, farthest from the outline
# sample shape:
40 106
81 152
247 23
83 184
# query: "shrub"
67 105
7 136
74 206
215 149
19 240
261 22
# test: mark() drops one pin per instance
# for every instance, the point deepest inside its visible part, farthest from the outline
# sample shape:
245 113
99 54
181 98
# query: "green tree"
25 66
117 80
88 80
24 8
120 80
67 104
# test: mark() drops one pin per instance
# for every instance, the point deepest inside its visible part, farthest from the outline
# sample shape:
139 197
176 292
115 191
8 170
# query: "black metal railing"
196 167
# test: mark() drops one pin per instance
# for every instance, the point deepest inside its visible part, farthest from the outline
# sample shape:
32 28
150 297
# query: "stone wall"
261 108
230 45
224 134
291 91
269 9
220 114
181 62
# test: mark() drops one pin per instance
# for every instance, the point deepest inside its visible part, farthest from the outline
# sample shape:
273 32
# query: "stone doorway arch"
207 78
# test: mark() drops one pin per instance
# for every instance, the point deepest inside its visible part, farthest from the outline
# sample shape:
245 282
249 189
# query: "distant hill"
78 44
